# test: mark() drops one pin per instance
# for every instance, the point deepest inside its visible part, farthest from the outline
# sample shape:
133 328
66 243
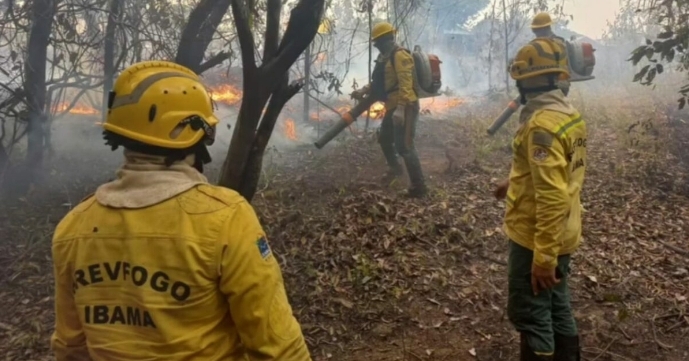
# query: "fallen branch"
605 350
655 336
674 248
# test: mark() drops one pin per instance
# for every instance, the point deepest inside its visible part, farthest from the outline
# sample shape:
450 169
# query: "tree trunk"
42 14
370 53
109 51
507 46
307 81
242 166
198 33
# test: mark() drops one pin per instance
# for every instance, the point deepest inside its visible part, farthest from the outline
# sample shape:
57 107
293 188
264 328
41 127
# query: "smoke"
473 65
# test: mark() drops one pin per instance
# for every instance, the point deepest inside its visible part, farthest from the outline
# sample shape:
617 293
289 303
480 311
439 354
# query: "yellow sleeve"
251 279
548 163
68 341
404 66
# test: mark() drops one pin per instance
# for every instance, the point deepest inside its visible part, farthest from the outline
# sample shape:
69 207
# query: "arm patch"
542 138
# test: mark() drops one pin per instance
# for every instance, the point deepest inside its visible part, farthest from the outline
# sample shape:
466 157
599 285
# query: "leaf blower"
427 79
581 61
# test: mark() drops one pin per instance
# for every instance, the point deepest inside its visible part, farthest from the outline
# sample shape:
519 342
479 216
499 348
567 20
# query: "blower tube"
345 120
505 116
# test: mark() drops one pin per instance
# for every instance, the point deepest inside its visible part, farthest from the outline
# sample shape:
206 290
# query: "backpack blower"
581 61
427 79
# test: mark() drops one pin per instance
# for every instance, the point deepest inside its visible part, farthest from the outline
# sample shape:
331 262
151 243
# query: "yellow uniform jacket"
190 278
399 78
543 198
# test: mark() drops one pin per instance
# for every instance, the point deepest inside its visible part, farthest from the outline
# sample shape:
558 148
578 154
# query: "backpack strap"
392 62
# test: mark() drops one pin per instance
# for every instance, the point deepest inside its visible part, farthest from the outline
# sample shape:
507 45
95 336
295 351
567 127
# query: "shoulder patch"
263 247
542 138
539 154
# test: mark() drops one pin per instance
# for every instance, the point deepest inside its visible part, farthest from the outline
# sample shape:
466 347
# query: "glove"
360 93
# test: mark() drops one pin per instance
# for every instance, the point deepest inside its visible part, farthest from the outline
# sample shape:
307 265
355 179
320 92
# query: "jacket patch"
263 247
542 138
539 154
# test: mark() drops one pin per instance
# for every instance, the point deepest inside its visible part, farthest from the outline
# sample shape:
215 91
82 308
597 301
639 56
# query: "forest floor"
374 276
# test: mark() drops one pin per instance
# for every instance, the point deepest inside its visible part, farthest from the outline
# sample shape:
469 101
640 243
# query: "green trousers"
398 138
540 317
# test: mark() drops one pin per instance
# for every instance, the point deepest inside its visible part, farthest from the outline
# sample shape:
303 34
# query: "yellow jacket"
543 198
399 79
190 277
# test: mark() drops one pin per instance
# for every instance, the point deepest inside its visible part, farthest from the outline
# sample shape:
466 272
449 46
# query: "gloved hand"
359 94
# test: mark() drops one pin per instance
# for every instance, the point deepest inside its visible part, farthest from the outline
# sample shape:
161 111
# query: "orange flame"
226 93
76 109
290 129
440 104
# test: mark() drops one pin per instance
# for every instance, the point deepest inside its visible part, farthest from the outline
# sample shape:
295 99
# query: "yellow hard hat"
380 29
162 104
541 20
539 57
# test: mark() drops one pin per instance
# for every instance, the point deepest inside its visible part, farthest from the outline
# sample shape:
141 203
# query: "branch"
197 34
303 25
272 37
246 37
213 61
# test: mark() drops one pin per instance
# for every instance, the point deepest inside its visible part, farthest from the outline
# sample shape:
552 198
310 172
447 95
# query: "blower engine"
581 60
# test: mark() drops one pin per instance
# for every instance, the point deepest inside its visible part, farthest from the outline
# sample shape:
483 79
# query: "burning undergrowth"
293 126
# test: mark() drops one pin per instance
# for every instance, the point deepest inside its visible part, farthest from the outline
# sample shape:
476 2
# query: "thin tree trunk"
370 53
42 14
109 51
507 45
307 81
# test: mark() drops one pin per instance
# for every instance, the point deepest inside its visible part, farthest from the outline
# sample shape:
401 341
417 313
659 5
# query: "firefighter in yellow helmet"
541 26
393 82
543 209
158 264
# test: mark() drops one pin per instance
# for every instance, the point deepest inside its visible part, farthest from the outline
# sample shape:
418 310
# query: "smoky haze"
470 44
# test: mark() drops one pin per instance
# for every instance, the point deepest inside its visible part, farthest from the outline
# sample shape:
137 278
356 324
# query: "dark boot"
418 186
567 348
527 354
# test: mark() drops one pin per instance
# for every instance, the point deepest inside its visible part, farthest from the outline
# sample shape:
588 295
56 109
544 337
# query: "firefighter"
543 210
541 26
159 264
393 82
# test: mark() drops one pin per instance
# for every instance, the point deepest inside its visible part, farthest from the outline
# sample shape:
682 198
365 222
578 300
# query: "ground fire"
290 129
231 96
226 94
76 109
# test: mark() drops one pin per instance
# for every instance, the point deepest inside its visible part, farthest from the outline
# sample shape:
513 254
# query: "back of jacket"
548 167
191 278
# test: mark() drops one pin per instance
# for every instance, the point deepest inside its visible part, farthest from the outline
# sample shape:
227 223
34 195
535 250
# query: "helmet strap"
201 157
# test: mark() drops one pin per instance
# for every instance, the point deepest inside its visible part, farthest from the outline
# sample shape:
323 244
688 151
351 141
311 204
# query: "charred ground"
374 276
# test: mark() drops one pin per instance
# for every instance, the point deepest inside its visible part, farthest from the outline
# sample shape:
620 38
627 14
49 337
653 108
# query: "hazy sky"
590 16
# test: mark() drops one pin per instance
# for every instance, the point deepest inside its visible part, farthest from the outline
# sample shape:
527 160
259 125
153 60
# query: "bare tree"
42 14
114 16
198 34
265 84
